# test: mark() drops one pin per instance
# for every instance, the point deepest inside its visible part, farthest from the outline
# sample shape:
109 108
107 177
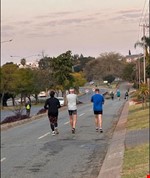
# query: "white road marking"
81 114
66 123
3 159
44 135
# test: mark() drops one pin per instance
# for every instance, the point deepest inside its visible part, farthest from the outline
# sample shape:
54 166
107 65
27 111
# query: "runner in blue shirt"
98 101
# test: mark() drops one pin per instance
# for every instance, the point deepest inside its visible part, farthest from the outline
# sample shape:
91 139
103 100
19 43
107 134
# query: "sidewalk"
112 165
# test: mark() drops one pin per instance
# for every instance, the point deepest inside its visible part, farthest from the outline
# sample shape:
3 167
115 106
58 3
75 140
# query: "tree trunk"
2 100
13 101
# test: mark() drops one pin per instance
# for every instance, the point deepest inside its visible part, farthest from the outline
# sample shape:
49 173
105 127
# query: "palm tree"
23 61
143 94
145 43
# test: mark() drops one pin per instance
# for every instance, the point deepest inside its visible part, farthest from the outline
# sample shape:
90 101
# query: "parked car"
61 100
42 94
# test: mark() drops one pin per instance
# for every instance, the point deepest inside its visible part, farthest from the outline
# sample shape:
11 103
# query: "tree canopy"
106 64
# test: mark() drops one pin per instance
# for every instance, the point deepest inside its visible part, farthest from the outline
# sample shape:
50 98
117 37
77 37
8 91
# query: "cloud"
131 14
26 22
128 31
57 14
7 27
60 22
7 30
126 15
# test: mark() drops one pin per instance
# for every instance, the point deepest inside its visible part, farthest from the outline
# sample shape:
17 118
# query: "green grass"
136 159
138 118
136 162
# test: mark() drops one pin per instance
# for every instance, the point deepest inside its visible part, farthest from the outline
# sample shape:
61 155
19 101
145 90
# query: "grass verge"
138 118
136 159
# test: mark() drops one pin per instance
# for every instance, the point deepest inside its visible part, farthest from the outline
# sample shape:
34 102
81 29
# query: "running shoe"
56 131
73 131
101 130
96 129
53 133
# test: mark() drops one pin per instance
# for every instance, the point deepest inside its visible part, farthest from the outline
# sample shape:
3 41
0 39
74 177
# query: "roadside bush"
41 111
15 118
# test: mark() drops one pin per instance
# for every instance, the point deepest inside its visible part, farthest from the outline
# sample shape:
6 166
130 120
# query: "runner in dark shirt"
52 104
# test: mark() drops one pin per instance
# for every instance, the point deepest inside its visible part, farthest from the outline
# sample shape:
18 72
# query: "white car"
42 94
61 100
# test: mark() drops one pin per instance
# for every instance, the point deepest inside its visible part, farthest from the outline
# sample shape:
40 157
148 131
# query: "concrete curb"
112 165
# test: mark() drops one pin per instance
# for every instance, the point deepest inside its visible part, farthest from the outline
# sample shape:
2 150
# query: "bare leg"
96 121
71 121
74 120
100 120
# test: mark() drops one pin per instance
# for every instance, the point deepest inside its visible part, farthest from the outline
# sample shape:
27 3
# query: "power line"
142 12
144 20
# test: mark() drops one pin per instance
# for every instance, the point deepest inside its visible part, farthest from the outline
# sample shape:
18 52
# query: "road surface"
30 151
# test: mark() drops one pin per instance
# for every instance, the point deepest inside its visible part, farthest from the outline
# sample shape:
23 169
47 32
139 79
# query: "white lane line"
81 114
3 159
66 123
44 135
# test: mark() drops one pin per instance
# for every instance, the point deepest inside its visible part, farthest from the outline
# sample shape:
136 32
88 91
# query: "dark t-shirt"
52 104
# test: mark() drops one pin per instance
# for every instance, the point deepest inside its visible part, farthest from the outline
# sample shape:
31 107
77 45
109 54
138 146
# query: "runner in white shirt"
72 108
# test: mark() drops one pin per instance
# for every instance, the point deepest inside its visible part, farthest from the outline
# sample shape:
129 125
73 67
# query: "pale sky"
88 27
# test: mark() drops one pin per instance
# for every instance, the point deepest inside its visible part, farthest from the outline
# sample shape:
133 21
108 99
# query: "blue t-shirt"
98 101
118 93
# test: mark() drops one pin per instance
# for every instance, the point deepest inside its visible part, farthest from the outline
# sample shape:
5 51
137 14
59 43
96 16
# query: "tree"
45 63
84 60
79 80
24 82
145 43
23 61
62 69
109 78
143 93
8 79
129 72
106 64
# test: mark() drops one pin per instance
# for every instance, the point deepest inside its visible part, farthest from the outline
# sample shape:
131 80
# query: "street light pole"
6 41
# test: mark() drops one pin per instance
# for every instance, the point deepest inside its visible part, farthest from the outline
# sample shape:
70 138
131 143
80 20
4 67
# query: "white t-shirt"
72 101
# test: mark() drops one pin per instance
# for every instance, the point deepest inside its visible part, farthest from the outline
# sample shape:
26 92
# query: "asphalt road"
30 151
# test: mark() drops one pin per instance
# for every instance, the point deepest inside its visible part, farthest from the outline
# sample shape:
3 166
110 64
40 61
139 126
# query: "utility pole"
144 53
149 23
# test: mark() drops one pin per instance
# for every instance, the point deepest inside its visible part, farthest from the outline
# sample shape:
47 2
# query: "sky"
52 27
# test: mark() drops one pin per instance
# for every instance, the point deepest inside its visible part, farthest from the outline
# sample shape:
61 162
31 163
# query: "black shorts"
98 112
72 112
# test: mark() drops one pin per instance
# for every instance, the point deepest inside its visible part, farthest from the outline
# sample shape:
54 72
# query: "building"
133 57
29 65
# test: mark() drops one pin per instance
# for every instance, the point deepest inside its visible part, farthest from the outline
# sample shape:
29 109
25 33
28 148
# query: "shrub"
41 111
15 118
